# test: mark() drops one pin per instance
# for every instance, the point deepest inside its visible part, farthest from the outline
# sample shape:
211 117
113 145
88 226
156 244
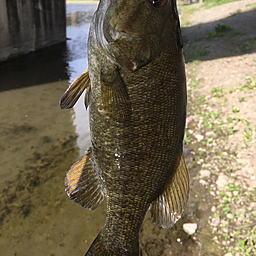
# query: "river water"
39 142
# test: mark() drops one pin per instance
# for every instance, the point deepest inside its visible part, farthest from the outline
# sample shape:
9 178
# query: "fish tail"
101 247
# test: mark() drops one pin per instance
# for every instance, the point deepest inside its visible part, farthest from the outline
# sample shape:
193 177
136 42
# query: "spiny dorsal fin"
75 90
169 206
82 183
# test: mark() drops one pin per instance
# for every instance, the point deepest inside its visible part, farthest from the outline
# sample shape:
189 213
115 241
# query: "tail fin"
101 247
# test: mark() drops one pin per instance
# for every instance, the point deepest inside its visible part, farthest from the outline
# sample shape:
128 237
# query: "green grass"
217 92
247 133
219 30
247 246
250 84
197 51
247 44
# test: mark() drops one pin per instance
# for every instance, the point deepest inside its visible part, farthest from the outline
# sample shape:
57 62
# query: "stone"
230 216
205 173
235 193
228 254
208 134
190 228
203 182
199 137
215 222
222 181
229 194
213 209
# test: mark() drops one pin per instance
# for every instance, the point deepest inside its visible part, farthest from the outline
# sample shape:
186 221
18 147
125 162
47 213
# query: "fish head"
132 32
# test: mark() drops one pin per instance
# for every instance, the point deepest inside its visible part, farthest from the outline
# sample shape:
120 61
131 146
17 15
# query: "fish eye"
156 3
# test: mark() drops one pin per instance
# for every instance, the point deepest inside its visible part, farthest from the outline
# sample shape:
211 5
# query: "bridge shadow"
40 67
232 36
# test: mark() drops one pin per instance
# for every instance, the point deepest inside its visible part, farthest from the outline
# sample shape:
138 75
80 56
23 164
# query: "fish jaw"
110 44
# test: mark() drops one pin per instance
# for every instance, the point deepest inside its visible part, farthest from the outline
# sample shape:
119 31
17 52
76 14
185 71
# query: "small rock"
224 222
235 193
208 134
222 180
229 194
190 131
215 222
199 137
212 193
240 219
225 230
203 182
213 209
190 228
228 254
204 173
230 216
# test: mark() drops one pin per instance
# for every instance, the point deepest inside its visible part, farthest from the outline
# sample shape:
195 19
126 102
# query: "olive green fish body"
137 118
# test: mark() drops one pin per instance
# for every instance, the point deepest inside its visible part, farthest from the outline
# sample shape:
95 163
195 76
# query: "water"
39 142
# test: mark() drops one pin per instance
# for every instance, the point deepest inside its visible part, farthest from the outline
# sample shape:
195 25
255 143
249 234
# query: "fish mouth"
109 41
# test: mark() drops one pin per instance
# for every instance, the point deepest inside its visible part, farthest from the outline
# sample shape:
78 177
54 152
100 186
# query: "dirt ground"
220 52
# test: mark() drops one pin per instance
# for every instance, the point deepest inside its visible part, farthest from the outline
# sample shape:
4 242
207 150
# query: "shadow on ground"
232 36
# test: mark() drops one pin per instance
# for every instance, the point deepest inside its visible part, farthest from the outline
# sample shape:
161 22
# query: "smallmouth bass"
136 92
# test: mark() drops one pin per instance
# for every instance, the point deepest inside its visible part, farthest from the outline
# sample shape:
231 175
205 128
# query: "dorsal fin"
167 209
82 183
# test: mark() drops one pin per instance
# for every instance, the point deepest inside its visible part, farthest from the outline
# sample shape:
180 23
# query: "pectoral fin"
75 90
169 206
82 183
88 97
115 97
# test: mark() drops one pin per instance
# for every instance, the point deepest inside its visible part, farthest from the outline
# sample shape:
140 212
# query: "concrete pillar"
27 25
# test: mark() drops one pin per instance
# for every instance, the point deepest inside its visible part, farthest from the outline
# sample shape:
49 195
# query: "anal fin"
167 209
82 183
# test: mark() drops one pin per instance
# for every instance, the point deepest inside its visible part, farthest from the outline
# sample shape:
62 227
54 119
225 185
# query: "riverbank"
220 52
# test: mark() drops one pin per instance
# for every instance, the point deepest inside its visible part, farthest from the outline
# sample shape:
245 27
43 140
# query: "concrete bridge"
28 25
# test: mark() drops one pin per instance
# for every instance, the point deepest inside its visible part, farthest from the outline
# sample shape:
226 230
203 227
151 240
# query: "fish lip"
106 44
115 35
99 33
